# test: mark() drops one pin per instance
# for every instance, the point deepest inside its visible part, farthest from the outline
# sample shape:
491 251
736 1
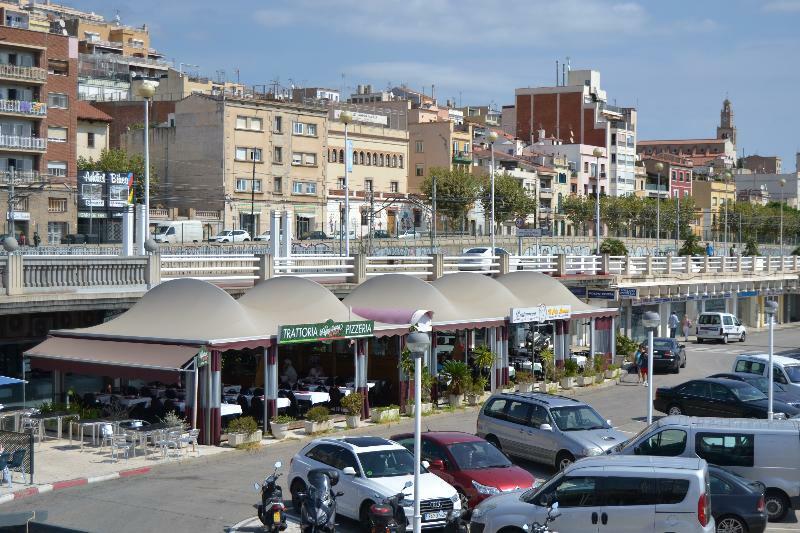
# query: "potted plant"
353 404
599 363
524 381
586 378
476 391
318 419
426 405
570 371
625 348
458 376
280 426
612 372
242 430
383 415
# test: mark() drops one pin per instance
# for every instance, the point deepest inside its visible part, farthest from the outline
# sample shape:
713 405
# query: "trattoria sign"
542 313
325 331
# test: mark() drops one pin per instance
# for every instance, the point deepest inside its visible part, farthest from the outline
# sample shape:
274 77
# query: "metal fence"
12 441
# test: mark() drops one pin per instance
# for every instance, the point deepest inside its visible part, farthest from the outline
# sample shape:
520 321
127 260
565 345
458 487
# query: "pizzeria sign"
325 331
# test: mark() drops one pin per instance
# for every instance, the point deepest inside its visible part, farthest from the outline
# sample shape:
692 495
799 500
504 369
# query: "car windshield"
662 344
162 230
747 393
387 463
476 250
577 418
477 454
793 371
224 233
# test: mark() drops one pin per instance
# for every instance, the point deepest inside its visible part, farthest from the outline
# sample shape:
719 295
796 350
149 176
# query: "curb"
58 485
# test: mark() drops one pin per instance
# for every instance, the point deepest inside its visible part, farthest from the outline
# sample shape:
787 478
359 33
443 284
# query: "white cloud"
782 6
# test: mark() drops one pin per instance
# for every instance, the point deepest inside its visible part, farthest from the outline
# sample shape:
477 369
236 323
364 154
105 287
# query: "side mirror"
257 486
426 464
408 484
437 464
349 471
609 422
546 427
636 451
278 464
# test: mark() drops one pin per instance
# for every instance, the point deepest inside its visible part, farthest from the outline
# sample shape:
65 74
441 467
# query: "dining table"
348 389
140 434
58 416
314 397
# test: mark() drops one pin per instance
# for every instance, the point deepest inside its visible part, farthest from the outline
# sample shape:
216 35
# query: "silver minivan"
760 450
785 370
609 494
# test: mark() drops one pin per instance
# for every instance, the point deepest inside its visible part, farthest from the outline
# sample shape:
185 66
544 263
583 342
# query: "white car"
263 237
410 234
480 258
236 235
371 469
720 326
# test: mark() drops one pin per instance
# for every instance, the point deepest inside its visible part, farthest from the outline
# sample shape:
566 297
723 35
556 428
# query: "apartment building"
241 158
584 166
378 179
673 180
710 198
92 128
762 164
437 144
530 179
38 82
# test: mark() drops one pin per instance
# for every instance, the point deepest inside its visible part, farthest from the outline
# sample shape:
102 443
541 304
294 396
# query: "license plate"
276 517
438 515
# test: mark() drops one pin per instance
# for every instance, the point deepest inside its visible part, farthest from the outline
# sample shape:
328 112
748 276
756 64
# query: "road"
211 494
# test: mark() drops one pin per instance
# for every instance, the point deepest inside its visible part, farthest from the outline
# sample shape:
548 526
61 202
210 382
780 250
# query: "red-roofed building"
92 135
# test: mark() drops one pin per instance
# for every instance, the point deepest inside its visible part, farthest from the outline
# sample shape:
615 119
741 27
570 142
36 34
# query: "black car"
315 236
737 504
761 383
668 354
381 234
726 398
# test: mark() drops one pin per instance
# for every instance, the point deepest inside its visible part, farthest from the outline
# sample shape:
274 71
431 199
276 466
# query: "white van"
719 326
785 371
179 231
767 451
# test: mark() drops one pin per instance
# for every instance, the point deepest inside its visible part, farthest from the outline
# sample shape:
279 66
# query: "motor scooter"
389 515
271 510
318 502
536 527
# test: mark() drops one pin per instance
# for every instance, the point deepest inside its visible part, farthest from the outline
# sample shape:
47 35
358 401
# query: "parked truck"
179 231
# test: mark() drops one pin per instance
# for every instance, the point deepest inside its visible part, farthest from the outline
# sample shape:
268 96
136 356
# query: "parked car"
719 326
474 467
609 494
70 238
319 236
786 370
724 398
546 428
179 231
759 450
371 469
737 504
668 354
263 237
410 234
480 258
381 234
236 235
781 393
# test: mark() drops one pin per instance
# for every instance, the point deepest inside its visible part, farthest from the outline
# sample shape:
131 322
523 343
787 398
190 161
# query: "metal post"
433 215
678 224
650 376
146 175
417 438
725 251
770 377
597 205
658 213
253 200
12 179
348 156
781 231
196 387
491 222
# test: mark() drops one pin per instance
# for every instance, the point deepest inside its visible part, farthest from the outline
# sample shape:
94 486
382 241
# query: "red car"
474 467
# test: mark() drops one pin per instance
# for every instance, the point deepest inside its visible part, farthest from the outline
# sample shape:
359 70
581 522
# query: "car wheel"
777 505
725 339
674 410
699 340
743 336
297 487
731 524
491 439
363 514
563 460
683 365
677 368
246 240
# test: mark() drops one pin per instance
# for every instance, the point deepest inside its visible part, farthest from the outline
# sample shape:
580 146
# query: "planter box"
612 374
509 389
525 387
279 431
456 400
599 378
426 408
584 381
545 387
235 439
353 421
381 416
567 383
475 399
317 427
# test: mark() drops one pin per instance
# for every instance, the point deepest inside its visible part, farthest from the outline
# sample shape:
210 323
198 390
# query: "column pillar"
628 318
287 216
274 233
592 336
437 270
363 387
266 267
504 350
613 339
13 278
215 398
152 272
270 385
664 310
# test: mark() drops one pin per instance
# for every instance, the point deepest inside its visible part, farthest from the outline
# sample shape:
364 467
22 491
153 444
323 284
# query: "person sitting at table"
289 375
316 371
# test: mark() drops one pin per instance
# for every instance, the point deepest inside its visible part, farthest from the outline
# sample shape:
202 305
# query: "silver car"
546 428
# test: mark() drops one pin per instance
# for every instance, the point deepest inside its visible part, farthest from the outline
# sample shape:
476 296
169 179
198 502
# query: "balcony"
545 210
21 177
545 190
464 158
654 187
16 142
14 72
22 107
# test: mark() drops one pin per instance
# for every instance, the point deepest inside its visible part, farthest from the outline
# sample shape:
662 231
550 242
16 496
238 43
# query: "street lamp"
659 169
492 138
782 183
417 342
770 308
345 117
597 152
651 321
146 91
726 176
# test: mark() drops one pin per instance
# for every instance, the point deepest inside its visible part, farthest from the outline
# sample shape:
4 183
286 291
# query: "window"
518 413
298 128
360 158
750 367
311 129
256 185
572 492
394 186
304 187
431 451
241 184
58 100
629 491
90 139
419 147
277 154
667 443
586 166
297 159
613 138
538 416
695 388
614 158
277 125
57 168
248 154
496 409
57 134
342 459
310 159
340 183
419 171
719 485
277 185
57 205
324 453
248 123
368 185
301 128
726 449
400 161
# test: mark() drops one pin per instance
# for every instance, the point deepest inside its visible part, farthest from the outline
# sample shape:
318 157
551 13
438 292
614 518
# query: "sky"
674 60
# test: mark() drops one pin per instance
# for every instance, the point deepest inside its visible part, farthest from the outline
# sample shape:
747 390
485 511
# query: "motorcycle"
271 510
318 503
390 516
536 527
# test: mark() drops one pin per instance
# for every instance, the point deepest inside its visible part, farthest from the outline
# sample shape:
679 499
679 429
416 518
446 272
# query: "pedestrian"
643 362
22 239
687 327
709 249
673 324
733 250
36 239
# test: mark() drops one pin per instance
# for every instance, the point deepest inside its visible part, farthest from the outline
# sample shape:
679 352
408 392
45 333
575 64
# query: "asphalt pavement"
214 493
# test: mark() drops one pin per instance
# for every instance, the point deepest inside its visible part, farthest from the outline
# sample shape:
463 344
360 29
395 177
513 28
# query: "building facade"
762 164
674 180
92 131
711 196
436 144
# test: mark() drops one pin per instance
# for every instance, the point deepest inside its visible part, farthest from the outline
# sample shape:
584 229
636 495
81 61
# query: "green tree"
510 199
691 246
456 192
751 247
613 247
579 210
119 160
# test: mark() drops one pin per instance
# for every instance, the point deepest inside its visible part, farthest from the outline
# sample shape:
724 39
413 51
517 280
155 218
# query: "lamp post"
770 308
492 138
597 152
659 169
146 91
782 183
345 117
651 321
417 342
727 176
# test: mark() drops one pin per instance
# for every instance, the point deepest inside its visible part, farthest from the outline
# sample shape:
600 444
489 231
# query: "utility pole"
433 216
11 201
253 231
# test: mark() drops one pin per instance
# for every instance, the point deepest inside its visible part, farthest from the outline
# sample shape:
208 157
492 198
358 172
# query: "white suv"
371 469
719 326
237 235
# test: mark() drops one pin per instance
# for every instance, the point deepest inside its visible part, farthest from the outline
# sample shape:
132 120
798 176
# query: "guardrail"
45 273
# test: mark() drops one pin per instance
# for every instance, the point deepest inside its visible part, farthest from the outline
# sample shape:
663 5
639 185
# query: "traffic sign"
519 222
529 232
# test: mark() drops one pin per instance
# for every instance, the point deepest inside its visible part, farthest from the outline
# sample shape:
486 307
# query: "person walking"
36 239
687 327
642 364
709 249
673 322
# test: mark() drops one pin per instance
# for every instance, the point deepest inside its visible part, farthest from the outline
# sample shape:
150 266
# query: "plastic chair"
120 443
17 460
4 469
106 435
191 438
173 442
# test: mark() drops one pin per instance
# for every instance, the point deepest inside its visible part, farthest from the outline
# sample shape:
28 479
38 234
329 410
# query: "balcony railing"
23 107
23 73
23 143
462 157
654 187
545 190
21 177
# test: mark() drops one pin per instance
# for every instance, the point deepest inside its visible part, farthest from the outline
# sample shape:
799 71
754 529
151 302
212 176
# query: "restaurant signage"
325 331
202 357
628 292
542 313
602 294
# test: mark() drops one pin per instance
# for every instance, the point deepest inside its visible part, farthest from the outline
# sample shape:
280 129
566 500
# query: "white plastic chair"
119 443
106 435
191 438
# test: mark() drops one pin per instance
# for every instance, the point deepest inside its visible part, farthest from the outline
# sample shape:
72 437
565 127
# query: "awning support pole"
194 399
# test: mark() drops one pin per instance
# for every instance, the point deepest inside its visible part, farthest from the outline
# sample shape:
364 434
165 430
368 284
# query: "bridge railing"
73 273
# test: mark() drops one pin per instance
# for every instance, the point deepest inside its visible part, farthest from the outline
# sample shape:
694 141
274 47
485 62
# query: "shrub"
625 345
243 424
318 414
751 247
570 368
523 376
173 419
691 246
548 363
353 403
613 247
458 374
599 363
284 419
483 356
478 386
386 408
588 370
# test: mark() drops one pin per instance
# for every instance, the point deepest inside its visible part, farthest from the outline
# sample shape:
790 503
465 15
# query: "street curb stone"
58 485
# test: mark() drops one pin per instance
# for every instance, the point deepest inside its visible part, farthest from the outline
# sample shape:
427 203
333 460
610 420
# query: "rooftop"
87 111
682 141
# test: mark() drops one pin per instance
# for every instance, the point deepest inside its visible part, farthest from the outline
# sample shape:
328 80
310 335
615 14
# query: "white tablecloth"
227 409
282 403
313 397
126 402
